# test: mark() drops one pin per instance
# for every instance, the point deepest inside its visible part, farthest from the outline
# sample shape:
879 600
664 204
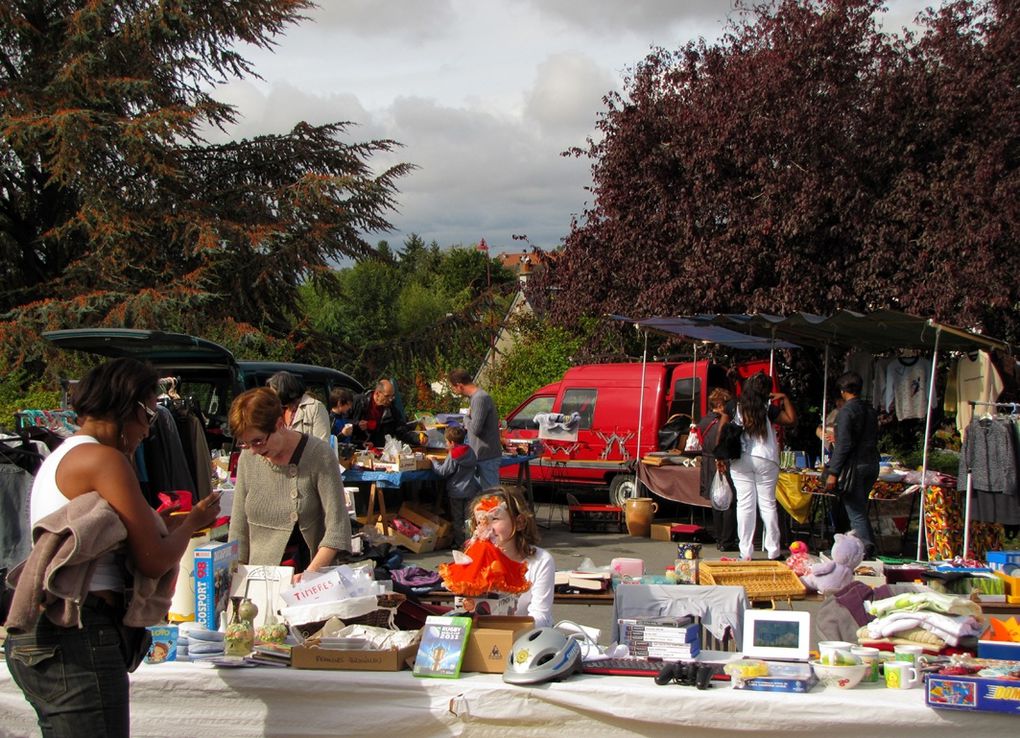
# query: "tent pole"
640 416
927 435
825 404
772 355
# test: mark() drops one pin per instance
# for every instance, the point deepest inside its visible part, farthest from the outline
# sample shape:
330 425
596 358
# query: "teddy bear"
831 576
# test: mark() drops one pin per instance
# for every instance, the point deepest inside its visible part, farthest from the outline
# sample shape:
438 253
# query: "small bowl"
844 677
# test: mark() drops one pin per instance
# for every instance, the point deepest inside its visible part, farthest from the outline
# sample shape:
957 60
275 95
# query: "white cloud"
484 96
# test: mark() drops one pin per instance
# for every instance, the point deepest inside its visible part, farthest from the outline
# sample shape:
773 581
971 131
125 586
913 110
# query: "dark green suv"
204 371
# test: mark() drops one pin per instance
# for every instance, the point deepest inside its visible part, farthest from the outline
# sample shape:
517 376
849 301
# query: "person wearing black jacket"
724 521
856 446
375 416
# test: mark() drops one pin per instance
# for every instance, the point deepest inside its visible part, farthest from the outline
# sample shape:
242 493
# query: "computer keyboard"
626 666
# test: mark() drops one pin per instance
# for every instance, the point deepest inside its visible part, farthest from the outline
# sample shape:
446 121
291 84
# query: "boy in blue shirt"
340 402
458 469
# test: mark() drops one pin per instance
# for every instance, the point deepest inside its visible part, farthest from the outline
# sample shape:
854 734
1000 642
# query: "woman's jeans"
855 502
75 678
754 482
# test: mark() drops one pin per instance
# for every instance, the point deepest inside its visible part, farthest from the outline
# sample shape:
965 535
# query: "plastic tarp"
882 330
698 330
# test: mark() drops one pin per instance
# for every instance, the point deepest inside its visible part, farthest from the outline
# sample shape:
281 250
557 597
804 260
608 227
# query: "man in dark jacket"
856 451
375 416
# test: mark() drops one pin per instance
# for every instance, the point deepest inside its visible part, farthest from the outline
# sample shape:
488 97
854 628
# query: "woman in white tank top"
76 678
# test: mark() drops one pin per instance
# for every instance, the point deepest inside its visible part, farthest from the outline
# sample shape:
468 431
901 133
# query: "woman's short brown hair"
719 396
257 408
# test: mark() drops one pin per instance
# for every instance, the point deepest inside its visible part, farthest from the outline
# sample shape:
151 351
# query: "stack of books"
666 638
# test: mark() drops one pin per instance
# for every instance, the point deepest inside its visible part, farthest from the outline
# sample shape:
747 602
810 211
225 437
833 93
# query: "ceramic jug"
639 512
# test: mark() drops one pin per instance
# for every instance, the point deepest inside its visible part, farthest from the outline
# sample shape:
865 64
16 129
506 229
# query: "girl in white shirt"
513 530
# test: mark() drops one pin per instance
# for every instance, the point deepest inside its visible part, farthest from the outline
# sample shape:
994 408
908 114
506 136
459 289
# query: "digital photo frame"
783 635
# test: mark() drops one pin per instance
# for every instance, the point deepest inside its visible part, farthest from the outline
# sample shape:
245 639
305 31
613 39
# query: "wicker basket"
384 615
761 580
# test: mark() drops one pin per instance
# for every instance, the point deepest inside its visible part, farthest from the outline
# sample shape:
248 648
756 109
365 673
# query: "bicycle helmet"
542 655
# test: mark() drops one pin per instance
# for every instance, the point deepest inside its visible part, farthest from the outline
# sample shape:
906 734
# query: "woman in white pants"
756 472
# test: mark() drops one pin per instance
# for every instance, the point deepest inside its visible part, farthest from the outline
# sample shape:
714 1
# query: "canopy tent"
875 332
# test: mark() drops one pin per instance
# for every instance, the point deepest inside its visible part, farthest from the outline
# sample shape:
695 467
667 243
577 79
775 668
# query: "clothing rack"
974 404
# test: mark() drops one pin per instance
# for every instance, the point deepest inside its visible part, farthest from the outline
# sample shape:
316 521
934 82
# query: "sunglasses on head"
150 414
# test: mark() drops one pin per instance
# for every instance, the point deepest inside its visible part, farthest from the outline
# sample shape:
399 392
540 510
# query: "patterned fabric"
943 522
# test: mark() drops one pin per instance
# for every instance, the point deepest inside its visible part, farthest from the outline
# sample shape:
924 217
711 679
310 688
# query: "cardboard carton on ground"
442 526
425 543
661 530
310 656
491 641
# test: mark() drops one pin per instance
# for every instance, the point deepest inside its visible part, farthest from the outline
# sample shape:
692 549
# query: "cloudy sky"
483 95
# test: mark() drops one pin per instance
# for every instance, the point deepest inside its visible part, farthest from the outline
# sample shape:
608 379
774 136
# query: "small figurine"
799 560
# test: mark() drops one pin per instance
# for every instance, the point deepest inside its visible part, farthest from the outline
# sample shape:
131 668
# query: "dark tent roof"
703 331
882 330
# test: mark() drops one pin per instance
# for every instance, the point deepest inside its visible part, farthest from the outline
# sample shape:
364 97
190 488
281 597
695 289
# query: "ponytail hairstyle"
753 403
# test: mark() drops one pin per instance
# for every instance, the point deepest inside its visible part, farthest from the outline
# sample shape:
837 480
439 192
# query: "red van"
607 397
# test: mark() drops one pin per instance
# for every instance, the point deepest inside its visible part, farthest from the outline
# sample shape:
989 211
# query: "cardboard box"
215 564
661 530
1006 650
490 642
972 693
425 543
313 657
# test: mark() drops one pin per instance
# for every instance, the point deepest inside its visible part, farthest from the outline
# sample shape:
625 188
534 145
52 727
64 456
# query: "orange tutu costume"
490 570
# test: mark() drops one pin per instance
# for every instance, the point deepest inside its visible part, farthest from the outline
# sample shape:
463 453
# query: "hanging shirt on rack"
977 380
906 386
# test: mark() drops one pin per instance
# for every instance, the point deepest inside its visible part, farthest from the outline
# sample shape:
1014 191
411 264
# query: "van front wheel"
622 488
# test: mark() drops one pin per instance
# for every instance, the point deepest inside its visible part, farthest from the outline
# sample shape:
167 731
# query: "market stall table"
265 701
674 482
377 480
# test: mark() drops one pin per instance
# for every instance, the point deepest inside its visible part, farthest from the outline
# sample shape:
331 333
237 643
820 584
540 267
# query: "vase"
639 512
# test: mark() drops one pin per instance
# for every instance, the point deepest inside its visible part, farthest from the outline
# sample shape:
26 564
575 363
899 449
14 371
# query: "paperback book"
441 650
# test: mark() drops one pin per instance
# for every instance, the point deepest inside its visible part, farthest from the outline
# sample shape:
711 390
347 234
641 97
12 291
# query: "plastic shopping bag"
721 492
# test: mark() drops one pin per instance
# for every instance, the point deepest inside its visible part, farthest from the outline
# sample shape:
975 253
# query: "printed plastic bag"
721 492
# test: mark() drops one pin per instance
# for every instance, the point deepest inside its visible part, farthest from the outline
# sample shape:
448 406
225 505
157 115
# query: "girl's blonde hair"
525 535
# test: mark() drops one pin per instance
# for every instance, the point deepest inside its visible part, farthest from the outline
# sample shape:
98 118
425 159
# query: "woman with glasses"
288 492
103 563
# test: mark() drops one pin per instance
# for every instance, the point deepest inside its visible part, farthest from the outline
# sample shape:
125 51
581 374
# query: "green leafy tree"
809 161
114 210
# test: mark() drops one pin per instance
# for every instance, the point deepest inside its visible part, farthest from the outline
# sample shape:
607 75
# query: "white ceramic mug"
901 675
871 657
908 653
835 653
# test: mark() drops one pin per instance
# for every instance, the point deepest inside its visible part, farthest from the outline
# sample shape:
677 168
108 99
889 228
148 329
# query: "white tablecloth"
197 701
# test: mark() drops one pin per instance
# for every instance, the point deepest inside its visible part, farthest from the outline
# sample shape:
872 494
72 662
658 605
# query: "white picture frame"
783 635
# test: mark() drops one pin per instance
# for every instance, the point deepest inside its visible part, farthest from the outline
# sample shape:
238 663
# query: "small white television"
783 635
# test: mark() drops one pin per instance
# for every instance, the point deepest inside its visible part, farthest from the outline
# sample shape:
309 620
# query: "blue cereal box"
215 564
164 644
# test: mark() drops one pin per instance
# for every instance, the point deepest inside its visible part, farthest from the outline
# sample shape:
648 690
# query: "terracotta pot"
639 512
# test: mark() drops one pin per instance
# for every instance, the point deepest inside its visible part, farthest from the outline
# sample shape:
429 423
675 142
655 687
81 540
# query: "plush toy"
799 560
826 577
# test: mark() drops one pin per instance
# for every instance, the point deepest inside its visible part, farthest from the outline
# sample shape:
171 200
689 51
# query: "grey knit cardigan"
269 500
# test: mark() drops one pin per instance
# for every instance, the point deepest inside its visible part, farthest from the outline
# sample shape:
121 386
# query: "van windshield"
525 417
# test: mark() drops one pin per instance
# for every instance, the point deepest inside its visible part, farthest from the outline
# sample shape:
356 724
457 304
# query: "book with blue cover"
441 650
